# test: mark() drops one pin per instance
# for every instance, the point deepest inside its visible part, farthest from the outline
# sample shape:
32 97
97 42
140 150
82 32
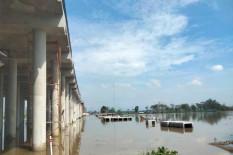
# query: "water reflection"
69 143
207 117
150 126
177 130
136 118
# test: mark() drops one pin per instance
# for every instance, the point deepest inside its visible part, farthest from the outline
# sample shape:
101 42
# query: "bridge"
37 74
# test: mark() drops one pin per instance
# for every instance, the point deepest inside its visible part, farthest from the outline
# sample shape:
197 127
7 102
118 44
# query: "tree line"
209 105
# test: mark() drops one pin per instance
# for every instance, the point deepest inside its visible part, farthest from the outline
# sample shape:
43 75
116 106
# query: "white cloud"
133 47
196 82
123 85
217 68
105 86
183 60
153 82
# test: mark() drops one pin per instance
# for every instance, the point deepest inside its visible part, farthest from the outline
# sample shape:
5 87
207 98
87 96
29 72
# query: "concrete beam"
68 73
30 20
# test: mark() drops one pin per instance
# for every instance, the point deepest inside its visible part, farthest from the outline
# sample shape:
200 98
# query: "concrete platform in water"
152 121
116 118
176 124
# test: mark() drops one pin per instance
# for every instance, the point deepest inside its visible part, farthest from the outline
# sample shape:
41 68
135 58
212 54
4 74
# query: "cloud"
153 82
217 68
121 85
133 47
105 86
196 82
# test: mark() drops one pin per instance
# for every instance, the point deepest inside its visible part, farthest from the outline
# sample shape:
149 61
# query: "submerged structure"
37 75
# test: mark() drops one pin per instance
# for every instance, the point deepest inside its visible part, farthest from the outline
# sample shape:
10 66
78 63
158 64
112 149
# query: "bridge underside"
37 75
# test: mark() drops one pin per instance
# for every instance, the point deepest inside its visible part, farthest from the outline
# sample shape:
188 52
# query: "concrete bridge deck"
36 71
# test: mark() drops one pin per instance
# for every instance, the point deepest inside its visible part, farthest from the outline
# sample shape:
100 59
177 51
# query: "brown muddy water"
132 137
91 136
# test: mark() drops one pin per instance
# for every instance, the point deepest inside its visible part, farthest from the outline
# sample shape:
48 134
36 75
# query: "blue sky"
150 51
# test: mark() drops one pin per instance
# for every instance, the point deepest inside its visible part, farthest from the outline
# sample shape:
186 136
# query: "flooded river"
91 136
132 137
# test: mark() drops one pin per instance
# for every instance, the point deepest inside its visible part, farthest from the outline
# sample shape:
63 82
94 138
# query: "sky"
131 53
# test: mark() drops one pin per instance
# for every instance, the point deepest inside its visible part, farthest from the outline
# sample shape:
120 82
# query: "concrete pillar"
55 100
80 109
67 104
66 147
71 103
1 106
30 109
10 106
63 100
18 113
75 110
21 123
39 91
71 139
48 107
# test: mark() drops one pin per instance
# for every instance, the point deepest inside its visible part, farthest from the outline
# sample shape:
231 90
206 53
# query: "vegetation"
209 105
104 109
160 151
119 112
136 109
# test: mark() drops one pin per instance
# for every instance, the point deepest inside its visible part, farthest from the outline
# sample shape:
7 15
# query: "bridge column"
21 117
18 112
71 104
67 119
48 106
10 106
63 100
39 91
1 106
55 100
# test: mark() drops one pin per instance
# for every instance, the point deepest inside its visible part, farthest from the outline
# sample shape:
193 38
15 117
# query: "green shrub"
161 151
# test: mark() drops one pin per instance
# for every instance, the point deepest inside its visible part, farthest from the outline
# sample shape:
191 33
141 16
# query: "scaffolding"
50 86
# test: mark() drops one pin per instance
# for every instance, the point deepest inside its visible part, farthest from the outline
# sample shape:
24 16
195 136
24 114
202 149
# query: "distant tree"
147 108
136 109
159 107
172 108
199 106
119 112
211 105
163 107
193 107
104 109
155 107
185 107
112 110
178 108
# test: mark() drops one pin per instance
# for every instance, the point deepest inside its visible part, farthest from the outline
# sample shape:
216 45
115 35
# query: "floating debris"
226 145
